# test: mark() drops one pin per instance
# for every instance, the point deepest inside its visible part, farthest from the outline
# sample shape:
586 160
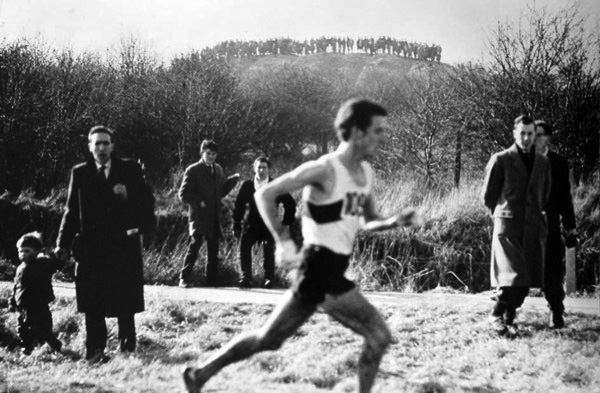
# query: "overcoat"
560 203
198 186
517 201
95 225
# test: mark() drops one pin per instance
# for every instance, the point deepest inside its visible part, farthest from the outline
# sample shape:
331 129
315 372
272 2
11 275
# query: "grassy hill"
357 67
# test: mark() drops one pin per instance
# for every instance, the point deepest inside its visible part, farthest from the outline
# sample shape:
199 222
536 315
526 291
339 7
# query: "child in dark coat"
32 292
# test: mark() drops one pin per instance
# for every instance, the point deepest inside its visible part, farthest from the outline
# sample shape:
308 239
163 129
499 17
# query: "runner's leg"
287 317
354 311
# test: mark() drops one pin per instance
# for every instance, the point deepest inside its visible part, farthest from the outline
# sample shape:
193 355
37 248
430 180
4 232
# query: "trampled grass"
438 348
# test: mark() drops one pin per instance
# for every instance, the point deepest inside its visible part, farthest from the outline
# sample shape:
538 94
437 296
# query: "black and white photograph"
308 196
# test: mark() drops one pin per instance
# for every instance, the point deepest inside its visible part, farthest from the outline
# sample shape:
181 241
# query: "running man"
337 193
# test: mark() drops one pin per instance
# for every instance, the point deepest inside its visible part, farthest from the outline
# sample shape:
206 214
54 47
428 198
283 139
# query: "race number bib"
354 203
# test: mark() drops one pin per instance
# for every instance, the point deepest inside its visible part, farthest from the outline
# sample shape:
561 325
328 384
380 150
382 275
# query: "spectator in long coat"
516 190
561 219
204 185
102 224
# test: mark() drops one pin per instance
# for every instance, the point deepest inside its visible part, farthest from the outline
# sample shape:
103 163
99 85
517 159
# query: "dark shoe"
184 284
193 382
26 350
96 357
497 325
55 344
127 346
509 316
244 283
557 321
268 284
512 331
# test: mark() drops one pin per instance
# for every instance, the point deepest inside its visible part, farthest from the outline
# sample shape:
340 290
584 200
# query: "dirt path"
590 306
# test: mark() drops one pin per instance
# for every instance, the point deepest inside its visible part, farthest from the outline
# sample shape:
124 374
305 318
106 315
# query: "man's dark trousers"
554 272
212 260
95 325
508 300
248 239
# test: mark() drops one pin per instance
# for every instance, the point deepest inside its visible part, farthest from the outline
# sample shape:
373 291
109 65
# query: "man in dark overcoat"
560 211
516 190
254 229
102 225
204 185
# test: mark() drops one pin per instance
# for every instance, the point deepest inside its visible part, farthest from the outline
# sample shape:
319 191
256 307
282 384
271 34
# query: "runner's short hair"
356 112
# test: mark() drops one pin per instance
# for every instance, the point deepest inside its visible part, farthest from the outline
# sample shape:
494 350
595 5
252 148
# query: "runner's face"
373 137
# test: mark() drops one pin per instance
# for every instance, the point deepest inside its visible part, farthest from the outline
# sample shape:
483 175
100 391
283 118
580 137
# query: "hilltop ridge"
355 66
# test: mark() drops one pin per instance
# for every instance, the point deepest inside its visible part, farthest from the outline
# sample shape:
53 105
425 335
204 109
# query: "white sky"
169 28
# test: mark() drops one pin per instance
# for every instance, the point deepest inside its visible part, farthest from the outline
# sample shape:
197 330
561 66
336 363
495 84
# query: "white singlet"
334 222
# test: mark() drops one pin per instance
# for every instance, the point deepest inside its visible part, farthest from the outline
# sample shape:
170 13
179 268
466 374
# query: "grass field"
438 349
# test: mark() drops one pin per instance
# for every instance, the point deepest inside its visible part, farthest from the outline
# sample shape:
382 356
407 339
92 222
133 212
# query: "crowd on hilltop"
288 46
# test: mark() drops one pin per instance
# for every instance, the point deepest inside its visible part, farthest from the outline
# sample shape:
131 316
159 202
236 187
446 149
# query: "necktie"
212 170
101 172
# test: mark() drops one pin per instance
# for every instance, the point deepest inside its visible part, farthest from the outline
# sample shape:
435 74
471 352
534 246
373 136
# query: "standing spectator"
254 229
203 186
559 210
516 190
33 291
102 223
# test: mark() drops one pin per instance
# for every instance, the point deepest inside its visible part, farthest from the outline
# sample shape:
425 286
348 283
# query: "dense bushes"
452 249
444 121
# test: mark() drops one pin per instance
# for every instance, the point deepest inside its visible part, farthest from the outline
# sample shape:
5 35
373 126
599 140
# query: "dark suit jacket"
517 200
254 221
560 204
109 273
199 185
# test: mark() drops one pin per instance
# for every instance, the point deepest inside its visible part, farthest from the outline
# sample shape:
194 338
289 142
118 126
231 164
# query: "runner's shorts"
321 272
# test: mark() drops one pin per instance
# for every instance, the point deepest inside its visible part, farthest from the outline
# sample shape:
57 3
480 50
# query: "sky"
170 28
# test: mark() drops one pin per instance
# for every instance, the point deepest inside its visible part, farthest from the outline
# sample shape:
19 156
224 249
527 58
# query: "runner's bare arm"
312 173
375 222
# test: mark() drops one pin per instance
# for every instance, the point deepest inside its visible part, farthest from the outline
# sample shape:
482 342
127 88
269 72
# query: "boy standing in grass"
337 193
33 291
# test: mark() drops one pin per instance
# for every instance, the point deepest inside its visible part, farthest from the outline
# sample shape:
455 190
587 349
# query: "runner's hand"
287 255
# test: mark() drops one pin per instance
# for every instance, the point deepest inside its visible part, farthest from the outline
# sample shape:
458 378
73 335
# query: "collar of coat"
519 165
115 162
